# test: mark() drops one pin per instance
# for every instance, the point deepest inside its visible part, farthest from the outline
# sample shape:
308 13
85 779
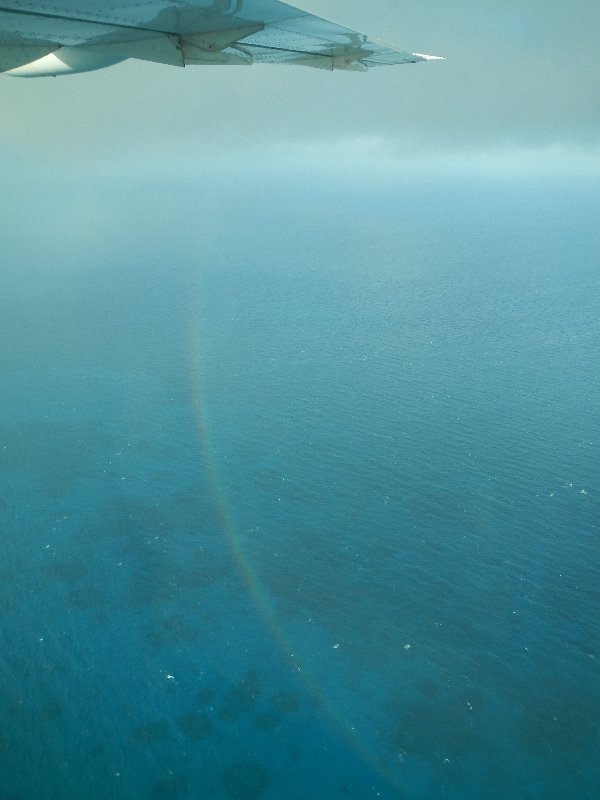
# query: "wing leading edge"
54 37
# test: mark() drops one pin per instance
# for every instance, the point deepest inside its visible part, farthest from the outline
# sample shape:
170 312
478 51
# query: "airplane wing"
57 37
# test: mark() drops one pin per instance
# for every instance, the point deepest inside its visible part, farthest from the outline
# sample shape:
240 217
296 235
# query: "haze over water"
300 482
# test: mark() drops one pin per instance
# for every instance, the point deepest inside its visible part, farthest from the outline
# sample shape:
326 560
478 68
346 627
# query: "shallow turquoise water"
300 496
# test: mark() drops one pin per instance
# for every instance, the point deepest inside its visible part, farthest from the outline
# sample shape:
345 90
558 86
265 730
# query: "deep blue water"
300 491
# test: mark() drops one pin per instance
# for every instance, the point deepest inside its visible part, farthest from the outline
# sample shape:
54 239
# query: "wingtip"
424 57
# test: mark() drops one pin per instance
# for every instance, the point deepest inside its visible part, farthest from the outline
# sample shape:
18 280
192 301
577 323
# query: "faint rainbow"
250 577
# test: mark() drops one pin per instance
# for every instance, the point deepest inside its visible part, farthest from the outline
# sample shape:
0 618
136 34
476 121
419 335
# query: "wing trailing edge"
47 37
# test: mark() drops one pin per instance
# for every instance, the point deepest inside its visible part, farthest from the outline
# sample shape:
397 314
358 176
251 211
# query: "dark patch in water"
159 574
267 722
285 701
171 629
171 788
67 570
134 520
241 699
444 730
246 780
86 598
205 696
429 689
558 722
51 711
195 725
70 449
151 732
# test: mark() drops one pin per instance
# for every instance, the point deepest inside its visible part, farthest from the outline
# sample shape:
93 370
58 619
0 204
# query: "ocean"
300 489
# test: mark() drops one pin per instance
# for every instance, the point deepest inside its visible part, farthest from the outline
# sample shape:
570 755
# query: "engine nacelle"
67 61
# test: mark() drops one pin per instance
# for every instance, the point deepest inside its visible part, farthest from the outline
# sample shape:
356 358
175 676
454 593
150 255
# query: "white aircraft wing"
56 37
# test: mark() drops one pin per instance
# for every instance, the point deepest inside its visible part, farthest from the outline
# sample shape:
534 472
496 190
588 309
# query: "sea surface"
300 488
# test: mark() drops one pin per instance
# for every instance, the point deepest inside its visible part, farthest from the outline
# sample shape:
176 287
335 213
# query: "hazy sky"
520 75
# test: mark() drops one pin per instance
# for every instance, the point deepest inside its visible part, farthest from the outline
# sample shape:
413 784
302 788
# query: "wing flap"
181 32
13 57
